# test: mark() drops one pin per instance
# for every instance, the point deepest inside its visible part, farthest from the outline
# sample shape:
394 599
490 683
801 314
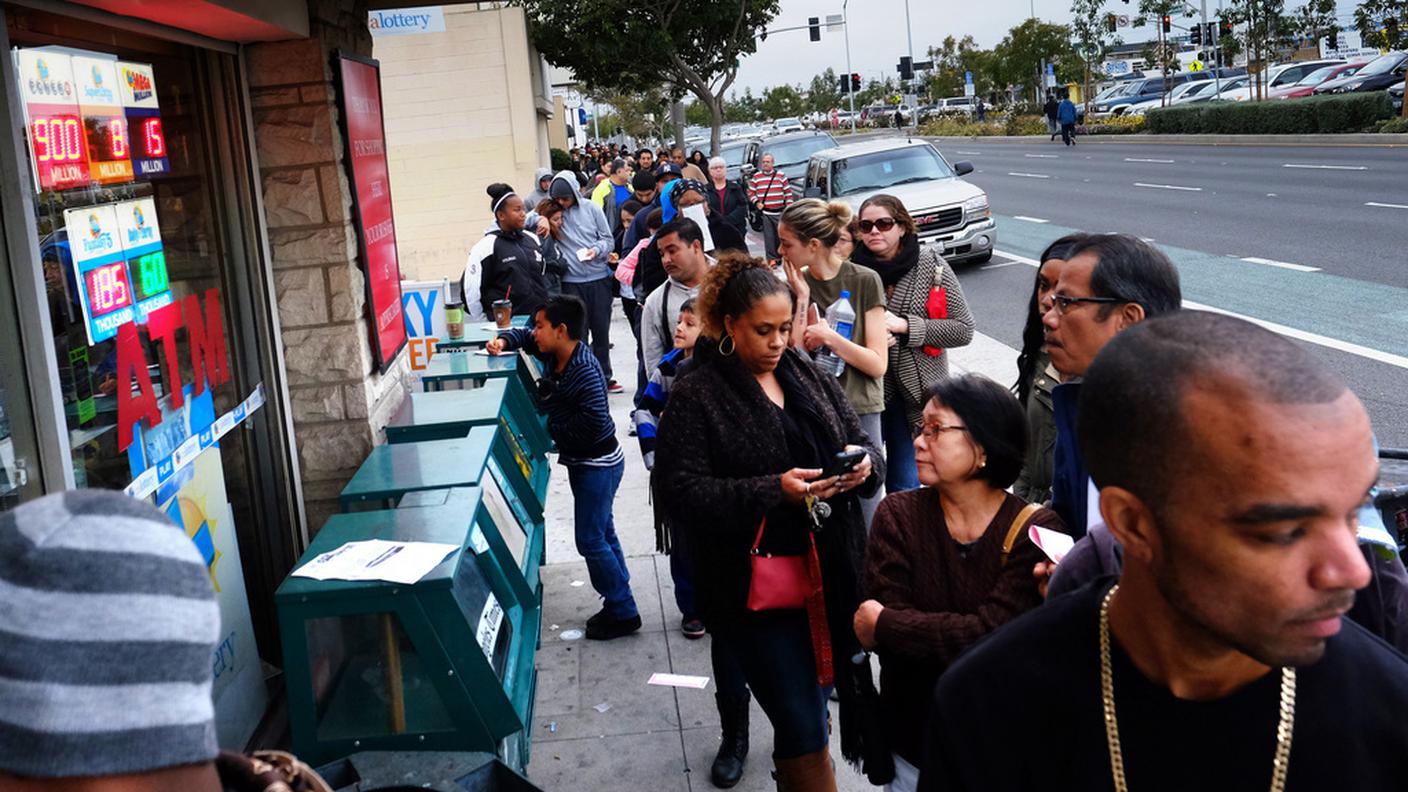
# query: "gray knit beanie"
108 622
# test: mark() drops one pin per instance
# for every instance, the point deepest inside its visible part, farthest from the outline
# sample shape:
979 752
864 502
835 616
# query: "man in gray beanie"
108 621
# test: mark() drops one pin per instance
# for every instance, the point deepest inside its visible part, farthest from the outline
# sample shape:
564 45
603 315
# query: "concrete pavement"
597 724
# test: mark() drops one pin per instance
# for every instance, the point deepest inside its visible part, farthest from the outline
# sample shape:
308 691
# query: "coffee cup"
503 313
454 321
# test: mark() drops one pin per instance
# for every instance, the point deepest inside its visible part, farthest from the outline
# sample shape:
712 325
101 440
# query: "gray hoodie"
537 196
584 226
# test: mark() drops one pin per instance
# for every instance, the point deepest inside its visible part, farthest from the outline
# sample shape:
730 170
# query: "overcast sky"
878 36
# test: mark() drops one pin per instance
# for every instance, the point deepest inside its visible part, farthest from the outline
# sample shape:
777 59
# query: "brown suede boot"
811 773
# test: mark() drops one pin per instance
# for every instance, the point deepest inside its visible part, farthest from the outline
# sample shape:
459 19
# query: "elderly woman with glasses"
950 562
925 314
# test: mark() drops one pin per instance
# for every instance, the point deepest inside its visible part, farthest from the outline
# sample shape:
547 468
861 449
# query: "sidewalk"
597 724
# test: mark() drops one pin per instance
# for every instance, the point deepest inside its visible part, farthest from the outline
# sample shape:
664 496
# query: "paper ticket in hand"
1054 543
586 254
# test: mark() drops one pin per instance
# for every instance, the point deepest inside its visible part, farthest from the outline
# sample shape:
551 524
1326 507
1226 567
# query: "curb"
1388 140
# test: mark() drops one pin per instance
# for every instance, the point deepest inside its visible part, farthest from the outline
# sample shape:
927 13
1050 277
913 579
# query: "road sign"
1195 66
1122 20
834 22
968 83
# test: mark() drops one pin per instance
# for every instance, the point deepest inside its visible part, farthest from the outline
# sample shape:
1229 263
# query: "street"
1286 236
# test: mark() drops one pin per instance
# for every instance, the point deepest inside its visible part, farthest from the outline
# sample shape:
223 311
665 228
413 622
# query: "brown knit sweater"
940 598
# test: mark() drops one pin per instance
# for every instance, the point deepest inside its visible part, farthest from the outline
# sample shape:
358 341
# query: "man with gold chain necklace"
1231 466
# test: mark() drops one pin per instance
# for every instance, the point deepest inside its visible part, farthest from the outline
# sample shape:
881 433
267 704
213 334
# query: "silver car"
951 214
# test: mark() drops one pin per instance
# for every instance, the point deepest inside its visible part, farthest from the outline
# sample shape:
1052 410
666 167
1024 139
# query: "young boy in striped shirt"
573 394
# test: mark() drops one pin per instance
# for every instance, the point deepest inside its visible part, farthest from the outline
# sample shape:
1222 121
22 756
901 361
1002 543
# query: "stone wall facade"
340 402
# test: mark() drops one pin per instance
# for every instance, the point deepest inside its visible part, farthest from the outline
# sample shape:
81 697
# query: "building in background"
467 105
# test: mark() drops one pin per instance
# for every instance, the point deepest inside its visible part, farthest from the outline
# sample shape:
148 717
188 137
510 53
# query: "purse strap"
1022 517
759 539
939 272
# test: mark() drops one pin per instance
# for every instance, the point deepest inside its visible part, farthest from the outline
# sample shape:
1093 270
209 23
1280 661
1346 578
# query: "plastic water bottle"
842 318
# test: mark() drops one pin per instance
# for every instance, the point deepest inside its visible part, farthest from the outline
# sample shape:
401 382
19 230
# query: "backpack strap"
1013 532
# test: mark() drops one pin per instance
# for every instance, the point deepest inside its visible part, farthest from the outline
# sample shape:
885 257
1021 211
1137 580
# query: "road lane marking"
1281 264
969 153
1030 175
1386 205
1029 219
1290 332
1042 156
1326 167
1001 265
1168 187
1141 159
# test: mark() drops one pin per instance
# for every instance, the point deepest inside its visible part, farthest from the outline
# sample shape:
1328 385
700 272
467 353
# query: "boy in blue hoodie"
573 394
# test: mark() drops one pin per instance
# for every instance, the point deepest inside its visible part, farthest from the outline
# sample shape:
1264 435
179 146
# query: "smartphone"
843 462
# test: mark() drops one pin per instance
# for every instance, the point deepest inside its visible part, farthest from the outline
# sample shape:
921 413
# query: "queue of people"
817 517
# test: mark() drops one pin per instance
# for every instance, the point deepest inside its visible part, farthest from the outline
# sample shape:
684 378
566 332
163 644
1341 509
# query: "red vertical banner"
365 135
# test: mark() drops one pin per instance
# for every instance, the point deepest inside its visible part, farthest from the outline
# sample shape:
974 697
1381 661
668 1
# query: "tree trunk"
716 110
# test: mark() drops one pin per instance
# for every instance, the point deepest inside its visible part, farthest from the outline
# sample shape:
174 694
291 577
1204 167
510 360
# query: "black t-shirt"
1022 711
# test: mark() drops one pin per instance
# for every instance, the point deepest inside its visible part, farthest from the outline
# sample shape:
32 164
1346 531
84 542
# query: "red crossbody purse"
779 582
936 307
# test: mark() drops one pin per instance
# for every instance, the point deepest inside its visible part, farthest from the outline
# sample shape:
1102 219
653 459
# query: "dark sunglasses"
884 224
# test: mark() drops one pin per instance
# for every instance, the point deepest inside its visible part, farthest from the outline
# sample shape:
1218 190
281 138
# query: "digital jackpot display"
104 121
92 120
106 295
137 87
58 145
146 261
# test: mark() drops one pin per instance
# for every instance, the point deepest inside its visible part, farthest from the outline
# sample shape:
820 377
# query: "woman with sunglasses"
1036 378
920 328
948 563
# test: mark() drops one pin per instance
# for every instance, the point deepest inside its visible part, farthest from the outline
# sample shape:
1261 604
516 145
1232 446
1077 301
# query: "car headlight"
1354 86
977 207
1100 108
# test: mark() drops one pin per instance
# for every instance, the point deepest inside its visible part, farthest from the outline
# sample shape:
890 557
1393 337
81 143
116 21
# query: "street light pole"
845 25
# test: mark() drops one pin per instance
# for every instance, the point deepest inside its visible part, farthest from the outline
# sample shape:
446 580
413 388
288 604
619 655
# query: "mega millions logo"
140 83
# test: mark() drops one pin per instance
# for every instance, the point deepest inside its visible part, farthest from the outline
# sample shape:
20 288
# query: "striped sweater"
579 418
771 189
911 372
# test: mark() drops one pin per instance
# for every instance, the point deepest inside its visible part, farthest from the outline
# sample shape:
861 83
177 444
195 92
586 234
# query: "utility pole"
596 127
1217 80
845 24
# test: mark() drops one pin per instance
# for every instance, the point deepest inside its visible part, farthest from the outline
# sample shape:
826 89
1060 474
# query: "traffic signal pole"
846 26
1216 77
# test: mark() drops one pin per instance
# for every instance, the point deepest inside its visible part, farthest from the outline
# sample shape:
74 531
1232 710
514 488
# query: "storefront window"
132 246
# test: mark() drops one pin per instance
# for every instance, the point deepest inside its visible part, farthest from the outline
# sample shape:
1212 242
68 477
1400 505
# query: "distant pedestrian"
698 160
612 193
770 192
573 394
542 178
982 110
645 161
1066 114
1050 109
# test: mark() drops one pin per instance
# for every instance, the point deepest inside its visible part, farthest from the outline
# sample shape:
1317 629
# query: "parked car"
1395 95
1377 75
784 125
733 153
789 155
952 214
1306 85
1281 75
1142 90
1176 96
957 105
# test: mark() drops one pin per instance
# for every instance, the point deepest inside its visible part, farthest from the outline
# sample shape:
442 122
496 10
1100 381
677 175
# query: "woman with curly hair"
745 464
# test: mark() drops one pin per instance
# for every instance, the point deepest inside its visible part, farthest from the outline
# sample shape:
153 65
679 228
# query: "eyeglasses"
931 432
883 224
1063 303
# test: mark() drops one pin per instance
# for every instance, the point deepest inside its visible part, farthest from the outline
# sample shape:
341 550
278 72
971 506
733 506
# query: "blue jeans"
900 471
593 498
774 650
682 573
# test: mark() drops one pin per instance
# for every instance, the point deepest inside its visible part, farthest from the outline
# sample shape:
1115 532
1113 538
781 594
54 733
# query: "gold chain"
1279 765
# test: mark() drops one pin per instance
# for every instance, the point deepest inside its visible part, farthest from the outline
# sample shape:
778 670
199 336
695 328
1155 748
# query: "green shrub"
1337 114
1116 125
1025 125
561 160
1393 125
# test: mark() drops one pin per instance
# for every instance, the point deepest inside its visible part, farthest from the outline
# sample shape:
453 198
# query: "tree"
1091 34
953 60
1018 58
783 101
1316 20
742 109
1264 28
1383 23
1157 51
694 47
633 111
824 92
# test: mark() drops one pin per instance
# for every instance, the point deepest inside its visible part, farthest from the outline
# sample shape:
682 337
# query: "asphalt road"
1231 200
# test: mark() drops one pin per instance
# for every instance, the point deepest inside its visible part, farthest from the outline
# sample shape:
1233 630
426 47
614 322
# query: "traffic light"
1168 23
906 68
855 82
1334 38
845 84
1195 34
814 28
1111 24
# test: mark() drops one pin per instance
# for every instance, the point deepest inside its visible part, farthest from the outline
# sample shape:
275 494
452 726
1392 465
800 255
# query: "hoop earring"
732 346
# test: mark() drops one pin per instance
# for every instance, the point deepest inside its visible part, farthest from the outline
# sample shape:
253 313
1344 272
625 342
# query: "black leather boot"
733 747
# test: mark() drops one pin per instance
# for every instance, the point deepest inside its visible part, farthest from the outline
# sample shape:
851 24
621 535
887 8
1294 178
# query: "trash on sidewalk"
602 707
578 583
552 726
679 680
571 635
